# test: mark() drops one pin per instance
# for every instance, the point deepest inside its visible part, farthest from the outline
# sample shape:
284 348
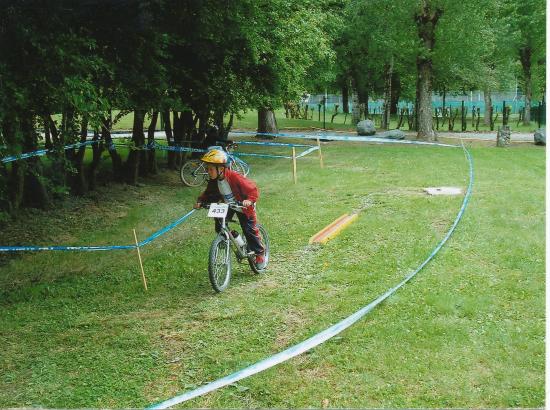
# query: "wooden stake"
140 263
320 153
294 165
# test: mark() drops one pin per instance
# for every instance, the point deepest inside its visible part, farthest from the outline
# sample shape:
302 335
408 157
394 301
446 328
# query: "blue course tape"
111 147
166 228
351 138
41 152
99 248
178 149
249 154
325 334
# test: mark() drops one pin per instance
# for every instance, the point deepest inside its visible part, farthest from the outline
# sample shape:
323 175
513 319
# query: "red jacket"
242 188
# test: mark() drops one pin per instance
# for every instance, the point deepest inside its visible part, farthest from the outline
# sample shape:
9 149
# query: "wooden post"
140 263
294 165
320 153
463 118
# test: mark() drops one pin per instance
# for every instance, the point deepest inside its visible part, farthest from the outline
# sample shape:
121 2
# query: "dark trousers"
250 228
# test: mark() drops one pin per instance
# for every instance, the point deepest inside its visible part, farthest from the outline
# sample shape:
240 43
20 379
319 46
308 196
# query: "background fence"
515 100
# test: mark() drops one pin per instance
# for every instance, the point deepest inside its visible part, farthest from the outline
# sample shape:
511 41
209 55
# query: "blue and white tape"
308 151
98 248
42 152
326 334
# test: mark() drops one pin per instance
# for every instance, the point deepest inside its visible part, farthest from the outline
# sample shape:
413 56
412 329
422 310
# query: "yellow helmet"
215 156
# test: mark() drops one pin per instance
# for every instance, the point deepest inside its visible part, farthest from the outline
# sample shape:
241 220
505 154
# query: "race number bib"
218 210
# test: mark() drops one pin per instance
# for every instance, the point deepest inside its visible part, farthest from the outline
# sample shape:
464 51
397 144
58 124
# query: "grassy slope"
77 330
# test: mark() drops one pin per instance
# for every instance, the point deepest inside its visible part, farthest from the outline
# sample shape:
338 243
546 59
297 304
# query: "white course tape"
326 334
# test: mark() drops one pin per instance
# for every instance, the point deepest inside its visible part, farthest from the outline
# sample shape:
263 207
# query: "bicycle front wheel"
192 173
219 264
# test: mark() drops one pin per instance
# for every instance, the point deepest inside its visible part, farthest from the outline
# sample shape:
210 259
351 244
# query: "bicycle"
219 258
193 172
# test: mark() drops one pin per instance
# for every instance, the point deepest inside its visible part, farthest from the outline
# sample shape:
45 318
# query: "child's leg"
251 232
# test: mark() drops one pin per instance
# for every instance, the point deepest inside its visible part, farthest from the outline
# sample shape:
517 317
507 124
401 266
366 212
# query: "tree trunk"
218 121
115 157
267 123
225 135
47 136
363 98
16 185
16 178
170 139
488 106
152 159
444 96
355 108
35 193
525 58
97 150
345 98
426 21
138 138
385 123
57 157
188 134
395 93
79 184
179 137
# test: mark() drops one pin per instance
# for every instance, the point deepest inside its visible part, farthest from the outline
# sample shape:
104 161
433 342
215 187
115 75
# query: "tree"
295 48
378 48
526 20
47 68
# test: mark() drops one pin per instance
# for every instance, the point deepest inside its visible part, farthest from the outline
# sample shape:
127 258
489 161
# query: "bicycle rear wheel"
192 173
219 263
238 165
252 258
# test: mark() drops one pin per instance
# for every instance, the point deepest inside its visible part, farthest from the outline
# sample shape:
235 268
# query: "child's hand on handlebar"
247 202
197 205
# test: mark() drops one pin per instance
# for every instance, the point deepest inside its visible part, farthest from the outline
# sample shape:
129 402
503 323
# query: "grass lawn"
78 330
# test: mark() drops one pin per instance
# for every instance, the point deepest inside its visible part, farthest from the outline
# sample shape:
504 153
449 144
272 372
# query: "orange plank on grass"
333 230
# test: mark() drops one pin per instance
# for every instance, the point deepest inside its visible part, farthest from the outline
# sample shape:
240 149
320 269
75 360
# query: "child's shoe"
260 261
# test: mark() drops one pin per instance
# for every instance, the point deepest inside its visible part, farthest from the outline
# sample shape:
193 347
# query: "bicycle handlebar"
238 206
227 144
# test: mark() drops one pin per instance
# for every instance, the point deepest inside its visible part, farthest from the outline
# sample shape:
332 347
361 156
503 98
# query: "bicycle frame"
240 252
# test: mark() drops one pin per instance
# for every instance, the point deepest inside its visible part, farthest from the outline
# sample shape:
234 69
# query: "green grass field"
78 330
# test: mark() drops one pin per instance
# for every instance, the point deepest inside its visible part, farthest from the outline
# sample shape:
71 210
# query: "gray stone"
366 127
392 135
540 136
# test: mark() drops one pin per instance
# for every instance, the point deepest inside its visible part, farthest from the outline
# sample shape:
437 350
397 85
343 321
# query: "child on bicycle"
229 186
